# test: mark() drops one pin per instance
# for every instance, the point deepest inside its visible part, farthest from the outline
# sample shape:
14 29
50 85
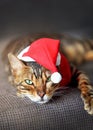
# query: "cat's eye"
29 82
48 79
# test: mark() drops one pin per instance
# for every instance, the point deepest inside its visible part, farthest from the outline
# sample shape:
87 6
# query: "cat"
33 80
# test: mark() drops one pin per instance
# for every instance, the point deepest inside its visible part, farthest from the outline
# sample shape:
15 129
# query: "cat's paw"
88 101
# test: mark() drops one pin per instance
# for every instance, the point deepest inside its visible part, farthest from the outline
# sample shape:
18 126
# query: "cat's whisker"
15 96
62 88
61 91
52 100
12 95
58 94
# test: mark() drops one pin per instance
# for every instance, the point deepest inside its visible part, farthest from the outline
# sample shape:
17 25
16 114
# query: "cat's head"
32 80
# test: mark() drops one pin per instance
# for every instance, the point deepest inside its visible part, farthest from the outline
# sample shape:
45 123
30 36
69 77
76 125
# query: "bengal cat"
29 78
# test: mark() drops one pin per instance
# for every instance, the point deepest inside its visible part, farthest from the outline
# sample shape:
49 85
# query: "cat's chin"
42 102
38 99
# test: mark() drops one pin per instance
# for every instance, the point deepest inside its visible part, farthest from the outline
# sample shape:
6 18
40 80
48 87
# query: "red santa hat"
45 51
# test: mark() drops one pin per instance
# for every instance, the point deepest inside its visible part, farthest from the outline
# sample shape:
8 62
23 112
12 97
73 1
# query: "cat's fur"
33 80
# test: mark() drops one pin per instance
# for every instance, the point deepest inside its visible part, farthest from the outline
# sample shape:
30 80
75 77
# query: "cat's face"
32 81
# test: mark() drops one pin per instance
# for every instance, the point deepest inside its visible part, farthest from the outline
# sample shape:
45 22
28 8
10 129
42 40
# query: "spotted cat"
34 80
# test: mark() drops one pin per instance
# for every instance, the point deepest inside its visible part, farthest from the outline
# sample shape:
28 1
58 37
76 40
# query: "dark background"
60 16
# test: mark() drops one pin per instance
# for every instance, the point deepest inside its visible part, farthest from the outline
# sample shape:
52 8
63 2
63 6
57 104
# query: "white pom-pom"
56 77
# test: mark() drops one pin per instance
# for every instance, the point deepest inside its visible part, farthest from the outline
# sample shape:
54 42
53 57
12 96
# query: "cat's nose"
41 94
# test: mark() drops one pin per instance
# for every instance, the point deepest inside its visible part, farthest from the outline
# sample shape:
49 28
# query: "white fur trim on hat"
29 59
58 60
25 58
56 77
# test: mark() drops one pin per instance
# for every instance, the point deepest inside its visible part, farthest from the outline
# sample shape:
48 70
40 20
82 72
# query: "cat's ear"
15 63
